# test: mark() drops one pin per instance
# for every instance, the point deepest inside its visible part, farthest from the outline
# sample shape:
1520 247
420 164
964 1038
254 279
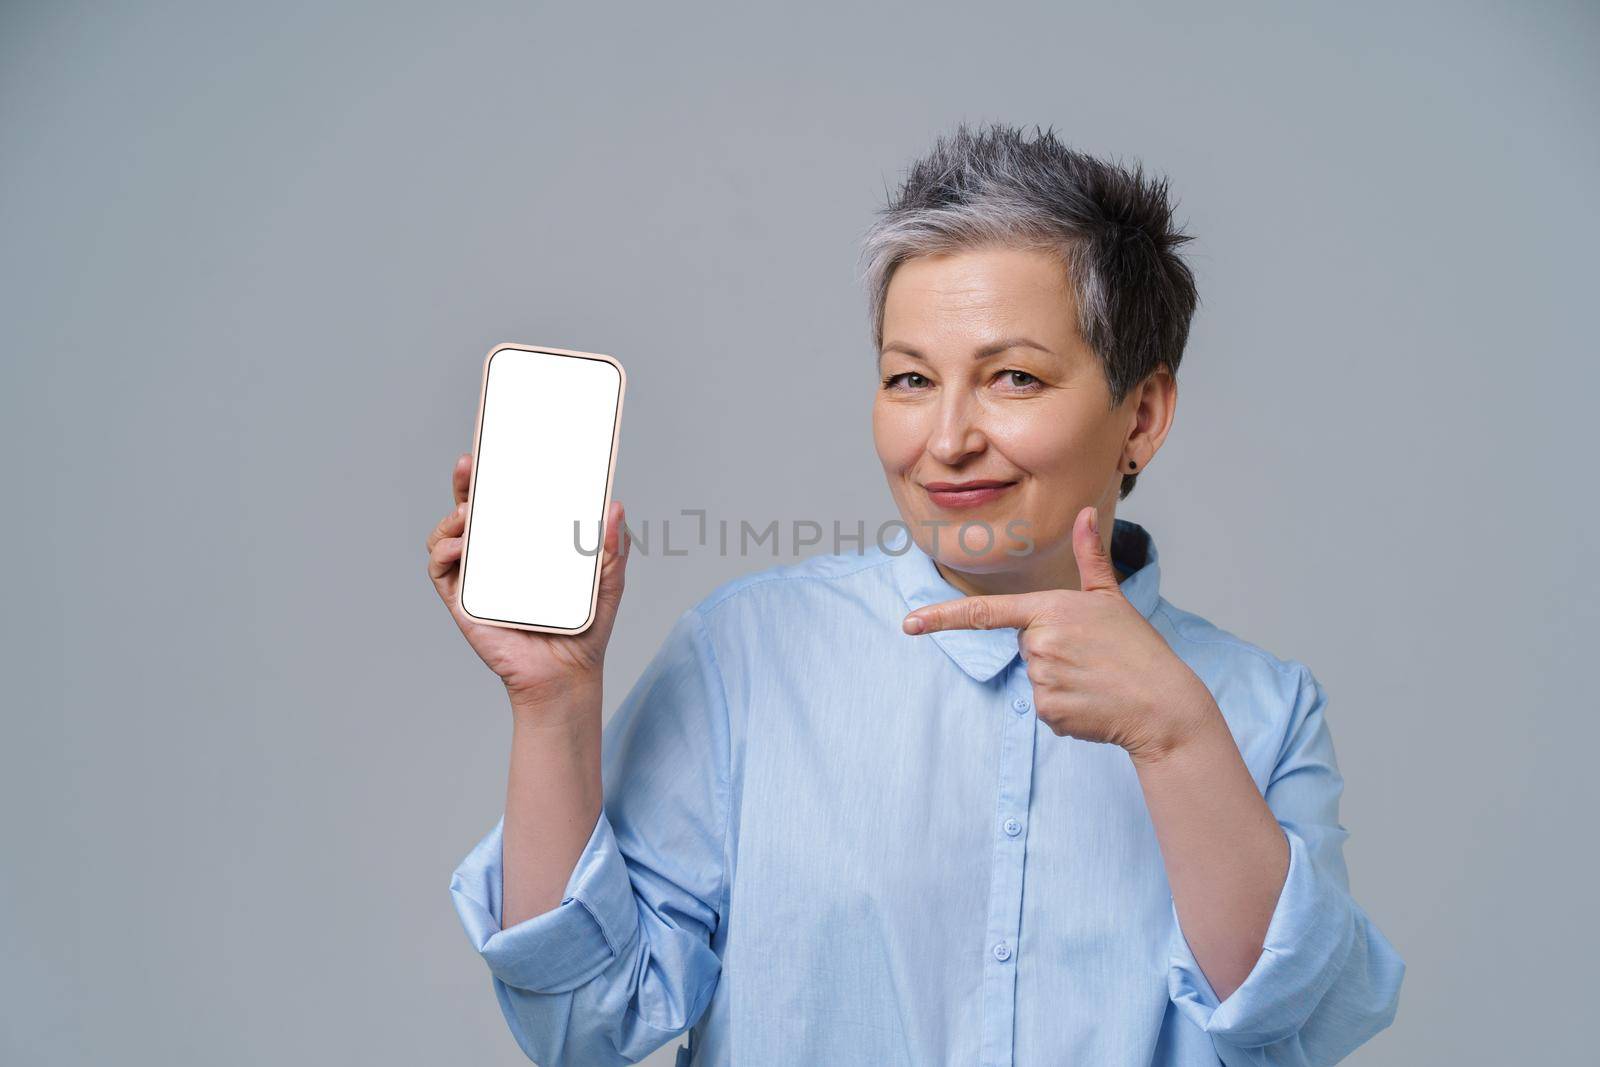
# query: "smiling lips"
965 494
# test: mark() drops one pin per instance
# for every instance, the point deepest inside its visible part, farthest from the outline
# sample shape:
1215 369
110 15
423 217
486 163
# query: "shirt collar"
984 653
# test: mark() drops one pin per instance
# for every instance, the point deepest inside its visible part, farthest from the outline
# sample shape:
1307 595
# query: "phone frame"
472 488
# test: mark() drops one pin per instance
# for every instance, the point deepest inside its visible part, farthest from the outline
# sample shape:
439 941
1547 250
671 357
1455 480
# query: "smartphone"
543 456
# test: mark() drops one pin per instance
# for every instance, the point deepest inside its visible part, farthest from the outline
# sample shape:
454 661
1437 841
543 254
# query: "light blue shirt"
827 842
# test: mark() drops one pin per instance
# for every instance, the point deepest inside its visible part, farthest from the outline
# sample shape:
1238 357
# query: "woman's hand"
1100 671
534 666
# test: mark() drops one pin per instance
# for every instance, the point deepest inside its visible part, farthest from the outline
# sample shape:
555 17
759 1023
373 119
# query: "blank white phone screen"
538 503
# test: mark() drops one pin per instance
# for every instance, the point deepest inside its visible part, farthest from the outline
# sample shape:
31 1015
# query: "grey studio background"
253 256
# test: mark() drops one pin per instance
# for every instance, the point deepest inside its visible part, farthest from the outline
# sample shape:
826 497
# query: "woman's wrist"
557 701
1188 721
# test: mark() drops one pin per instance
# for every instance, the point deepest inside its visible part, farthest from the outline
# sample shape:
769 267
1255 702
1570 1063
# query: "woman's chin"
994 561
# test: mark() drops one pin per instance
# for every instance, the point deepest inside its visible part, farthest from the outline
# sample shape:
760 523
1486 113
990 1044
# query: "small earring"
1132 465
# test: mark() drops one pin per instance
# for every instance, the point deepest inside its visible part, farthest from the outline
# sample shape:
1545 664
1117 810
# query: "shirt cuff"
1308 939
596 921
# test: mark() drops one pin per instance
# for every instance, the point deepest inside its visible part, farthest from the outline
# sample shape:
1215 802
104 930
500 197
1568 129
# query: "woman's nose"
957 434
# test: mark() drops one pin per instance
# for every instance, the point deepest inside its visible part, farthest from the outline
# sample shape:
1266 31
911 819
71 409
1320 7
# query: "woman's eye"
912 380
1019 378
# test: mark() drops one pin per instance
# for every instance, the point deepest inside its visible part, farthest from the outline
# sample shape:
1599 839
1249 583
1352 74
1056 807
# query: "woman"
975 795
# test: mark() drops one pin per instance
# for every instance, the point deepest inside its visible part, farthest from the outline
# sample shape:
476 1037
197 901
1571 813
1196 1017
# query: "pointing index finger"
975 613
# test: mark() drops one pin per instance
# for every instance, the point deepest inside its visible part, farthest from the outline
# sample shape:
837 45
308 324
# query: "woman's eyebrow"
991 349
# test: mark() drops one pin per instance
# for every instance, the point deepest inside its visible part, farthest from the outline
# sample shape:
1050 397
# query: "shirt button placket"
1018 732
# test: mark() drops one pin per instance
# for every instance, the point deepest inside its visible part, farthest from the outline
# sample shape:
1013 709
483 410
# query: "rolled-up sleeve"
566 946
624 963
1327 979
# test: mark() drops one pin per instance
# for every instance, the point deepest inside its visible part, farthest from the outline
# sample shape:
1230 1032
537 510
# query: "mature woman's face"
1031 418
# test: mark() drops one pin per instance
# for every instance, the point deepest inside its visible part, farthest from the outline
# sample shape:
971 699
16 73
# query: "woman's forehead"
975 301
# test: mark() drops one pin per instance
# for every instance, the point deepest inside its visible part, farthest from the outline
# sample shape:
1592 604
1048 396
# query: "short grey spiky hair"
1112 227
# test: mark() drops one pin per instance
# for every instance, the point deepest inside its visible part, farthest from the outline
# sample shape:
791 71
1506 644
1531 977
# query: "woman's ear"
1154 403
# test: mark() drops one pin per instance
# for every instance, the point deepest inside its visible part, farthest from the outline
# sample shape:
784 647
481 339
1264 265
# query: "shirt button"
1020 704
1002 952
1013 827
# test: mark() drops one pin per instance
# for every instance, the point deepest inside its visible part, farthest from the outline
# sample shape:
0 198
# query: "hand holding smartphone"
535 532
543 456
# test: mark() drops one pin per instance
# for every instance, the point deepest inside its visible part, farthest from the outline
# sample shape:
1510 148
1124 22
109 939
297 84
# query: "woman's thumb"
614 556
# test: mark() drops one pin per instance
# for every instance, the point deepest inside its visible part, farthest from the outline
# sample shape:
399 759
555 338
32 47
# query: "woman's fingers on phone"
449 526
444 544
461 477
442 560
